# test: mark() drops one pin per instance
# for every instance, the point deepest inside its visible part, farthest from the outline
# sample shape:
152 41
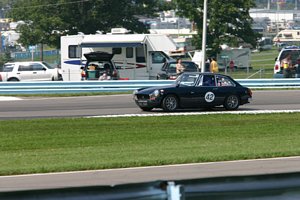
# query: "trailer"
239 58
137 56
288 36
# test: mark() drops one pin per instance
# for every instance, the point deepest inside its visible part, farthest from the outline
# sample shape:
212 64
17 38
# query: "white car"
294 51
29 71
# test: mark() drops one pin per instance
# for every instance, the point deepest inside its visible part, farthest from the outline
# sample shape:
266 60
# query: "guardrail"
263 187
51 87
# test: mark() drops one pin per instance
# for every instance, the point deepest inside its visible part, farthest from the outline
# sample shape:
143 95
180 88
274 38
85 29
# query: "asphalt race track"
37 107
26 108
148 174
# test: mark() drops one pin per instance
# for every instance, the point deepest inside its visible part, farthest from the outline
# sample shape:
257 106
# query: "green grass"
50 145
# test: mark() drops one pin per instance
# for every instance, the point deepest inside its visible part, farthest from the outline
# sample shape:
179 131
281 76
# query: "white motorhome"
290 36
137 56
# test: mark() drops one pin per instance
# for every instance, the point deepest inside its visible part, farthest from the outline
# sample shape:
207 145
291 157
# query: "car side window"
37 67
208 81
8 68
172 68
25 68
188 79
223 81
157 57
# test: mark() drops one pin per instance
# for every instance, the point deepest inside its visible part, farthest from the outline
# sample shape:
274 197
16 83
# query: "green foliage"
227 21
46 21
4 58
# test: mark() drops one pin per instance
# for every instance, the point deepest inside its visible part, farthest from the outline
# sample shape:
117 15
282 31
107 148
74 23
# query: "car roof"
204 73
290 48
23 62
184 61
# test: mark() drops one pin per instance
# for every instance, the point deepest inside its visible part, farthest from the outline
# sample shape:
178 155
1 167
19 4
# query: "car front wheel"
232 102
170 103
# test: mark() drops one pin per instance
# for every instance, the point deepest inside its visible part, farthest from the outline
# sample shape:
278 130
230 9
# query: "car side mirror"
276 59
44 69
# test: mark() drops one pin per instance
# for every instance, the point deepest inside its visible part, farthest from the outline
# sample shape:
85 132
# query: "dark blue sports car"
194 90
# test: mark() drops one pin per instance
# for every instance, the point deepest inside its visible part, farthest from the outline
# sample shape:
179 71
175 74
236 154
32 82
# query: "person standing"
286 63
214 66
231 65
179 67
82 73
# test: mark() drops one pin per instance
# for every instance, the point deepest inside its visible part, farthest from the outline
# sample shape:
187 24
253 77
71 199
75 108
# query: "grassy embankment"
48 145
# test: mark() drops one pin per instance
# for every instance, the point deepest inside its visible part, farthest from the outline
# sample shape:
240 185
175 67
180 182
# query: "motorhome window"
116 50
157 57
129 52
140 55
74 51
288 35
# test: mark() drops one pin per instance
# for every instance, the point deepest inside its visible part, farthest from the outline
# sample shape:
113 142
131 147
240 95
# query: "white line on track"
254 112
7 98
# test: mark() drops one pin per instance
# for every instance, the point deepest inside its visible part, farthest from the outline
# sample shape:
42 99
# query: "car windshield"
188 79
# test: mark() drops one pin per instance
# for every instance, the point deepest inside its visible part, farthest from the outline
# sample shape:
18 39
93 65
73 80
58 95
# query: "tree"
46 21
228 21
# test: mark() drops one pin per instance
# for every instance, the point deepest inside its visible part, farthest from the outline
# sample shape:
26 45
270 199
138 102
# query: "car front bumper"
147 103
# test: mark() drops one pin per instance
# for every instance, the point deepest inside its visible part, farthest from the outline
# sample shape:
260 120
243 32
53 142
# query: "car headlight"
135 91
154 94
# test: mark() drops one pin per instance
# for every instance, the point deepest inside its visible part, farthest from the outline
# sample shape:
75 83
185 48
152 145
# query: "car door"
207 91
225 87
40 72
187 90
24 72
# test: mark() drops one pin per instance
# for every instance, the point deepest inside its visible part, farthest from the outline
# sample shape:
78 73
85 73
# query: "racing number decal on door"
209 97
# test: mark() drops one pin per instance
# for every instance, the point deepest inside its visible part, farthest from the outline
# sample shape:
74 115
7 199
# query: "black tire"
232 102
13 80
170 103
146 108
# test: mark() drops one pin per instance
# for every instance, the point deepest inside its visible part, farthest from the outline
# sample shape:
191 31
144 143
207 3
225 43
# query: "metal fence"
52 87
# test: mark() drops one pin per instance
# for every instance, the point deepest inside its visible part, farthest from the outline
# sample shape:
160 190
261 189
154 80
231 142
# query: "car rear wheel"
232 102
170 103
146 108
13 79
